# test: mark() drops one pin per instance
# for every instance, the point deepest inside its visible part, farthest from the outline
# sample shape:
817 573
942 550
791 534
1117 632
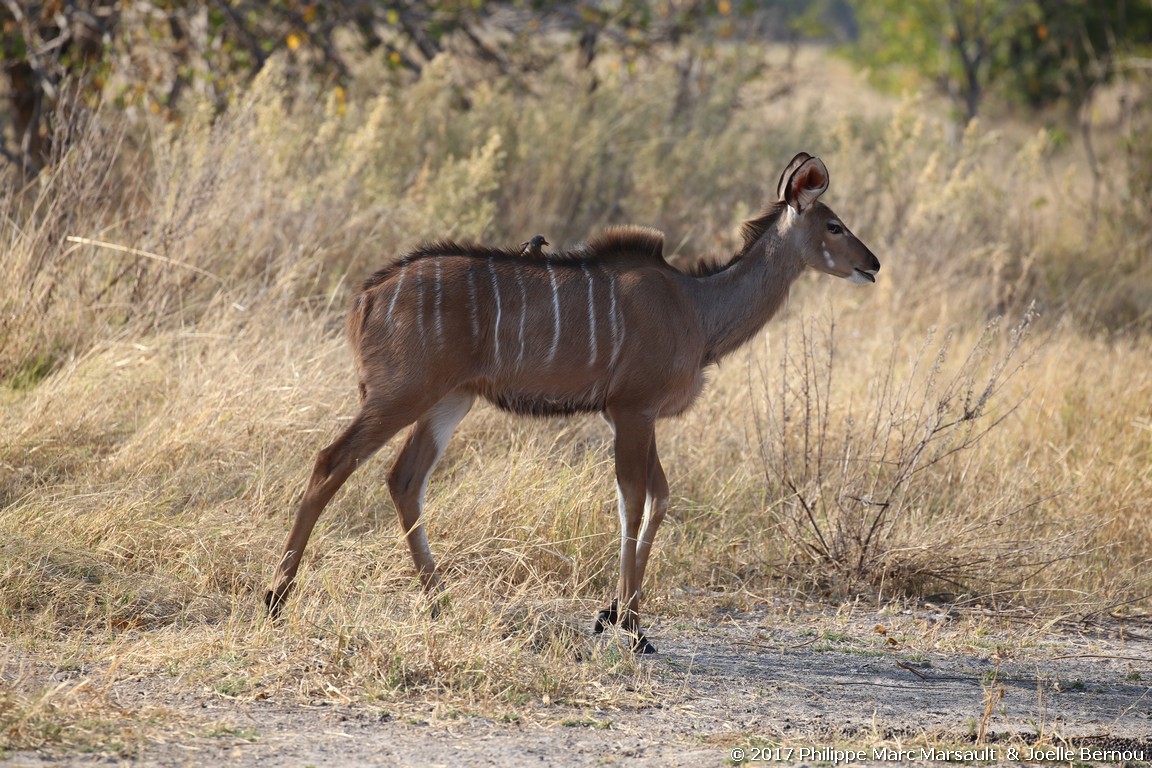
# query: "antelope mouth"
863 276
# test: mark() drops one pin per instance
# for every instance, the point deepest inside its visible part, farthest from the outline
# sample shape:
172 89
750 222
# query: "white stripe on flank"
523 314
555 315
396 293
617 331
472 301
496 295
591 318
420 298
436 303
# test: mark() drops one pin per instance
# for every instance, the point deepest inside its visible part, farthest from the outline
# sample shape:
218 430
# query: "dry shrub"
873 482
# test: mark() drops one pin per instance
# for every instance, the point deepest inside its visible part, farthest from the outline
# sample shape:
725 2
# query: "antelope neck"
735 303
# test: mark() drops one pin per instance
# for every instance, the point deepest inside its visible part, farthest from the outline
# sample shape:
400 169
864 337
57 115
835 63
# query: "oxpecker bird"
534 247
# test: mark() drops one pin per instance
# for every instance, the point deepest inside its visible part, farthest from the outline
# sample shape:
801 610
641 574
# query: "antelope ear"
782 185
806 183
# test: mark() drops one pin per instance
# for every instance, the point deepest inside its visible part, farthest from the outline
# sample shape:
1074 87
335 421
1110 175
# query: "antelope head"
820 236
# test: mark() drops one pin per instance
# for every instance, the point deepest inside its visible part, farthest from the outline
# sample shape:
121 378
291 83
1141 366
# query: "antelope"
608 327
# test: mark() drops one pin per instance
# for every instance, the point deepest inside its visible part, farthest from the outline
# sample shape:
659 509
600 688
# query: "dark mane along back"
630 245
751 231
754 229
433 249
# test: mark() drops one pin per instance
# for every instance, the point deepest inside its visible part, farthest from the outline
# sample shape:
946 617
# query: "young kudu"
608 327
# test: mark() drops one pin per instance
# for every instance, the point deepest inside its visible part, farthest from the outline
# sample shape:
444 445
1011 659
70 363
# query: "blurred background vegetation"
1034 54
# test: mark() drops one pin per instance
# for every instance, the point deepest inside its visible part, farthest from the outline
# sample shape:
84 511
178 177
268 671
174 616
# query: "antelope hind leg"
333 466
408 479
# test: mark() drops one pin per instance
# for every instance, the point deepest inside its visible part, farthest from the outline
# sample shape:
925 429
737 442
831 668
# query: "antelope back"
543 335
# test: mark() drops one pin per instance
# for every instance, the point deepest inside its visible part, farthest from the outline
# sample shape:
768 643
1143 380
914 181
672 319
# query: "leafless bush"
875 493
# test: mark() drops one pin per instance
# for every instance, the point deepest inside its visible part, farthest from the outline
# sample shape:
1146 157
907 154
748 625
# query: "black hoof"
640 645
606 618
274 603
610 617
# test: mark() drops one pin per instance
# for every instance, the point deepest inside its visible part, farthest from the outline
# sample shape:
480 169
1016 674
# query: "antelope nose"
875 264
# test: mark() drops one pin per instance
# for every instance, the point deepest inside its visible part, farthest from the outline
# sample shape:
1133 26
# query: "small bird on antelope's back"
534 247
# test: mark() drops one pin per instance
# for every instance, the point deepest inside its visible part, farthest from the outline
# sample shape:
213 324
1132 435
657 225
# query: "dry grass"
164 404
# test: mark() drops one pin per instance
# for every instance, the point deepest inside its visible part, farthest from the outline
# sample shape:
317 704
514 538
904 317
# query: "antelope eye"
835 228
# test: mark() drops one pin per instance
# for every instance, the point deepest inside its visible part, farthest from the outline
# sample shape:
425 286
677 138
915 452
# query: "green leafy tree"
957 43
1035 51
1073 46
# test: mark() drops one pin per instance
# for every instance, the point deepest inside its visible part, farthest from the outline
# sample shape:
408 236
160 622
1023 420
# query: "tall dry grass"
164 400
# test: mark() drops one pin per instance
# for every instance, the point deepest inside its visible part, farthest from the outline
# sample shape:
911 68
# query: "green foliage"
1037 52
32 372
1069 46
958 43
902 34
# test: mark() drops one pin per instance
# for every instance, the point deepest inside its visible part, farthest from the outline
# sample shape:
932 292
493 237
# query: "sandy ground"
733 681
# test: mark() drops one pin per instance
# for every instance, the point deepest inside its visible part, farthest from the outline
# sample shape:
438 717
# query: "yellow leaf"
293 41
724 7
309 13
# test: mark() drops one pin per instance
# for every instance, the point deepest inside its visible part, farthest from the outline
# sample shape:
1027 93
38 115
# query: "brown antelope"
608 327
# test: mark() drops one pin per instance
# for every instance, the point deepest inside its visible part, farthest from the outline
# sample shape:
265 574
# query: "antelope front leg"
655 507
634 441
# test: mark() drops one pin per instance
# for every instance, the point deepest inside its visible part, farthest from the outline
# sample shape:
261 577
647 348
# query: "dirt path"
736 682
